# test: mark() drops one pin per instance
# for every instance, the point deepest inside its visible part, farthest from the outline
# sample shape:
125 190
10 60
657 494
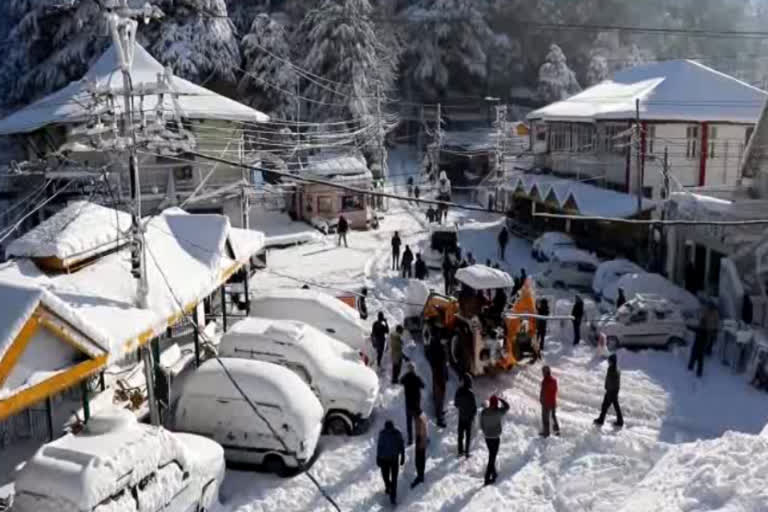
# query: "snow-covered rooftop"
675 90
481 277
77 232
73 103
187 253
331 166
589 199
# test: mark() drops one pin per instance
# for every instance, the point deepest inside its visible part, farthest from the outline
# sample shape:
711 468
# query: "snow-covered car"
544 247
119 465
569 268
320 310
211 405
611 271
647 283
442 238
345 386
645 321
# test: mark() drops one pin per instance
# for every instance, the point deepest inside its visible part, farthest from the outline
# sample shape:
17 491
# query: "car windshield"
442 240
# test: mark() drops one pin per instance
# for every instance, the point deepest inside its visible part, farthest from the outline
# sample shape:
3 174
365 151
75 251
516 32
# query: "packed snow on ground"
674 453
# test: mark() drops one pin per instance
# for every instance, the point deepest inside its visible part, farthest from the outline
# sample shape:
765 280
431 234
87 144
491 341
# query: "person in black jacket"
503 241
621 299
578 315
396 242
747 311
406 262
437 361
379 337
389 448
466 403
541 323
448 272
420 271
413 386
342 228
612 387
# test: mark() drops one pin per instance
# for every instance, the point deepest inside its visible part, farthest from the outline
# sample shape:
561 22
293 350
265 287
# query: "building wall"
328 203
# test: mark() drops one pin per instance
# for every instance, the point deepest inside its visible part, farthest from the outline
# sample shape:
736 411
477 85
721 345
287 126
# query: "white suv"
645 321
347 388
118 464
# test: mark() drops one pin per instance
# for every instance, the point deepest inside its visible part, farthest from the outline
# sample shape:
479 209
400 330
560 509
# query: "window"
353 202
638 317
712 139
559 134
692 141
650 136
183 173
325 204
614 141
585 138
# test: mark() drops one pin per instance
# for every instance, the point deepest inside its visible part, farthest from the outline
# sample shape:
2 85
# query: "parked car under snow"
655 284
119 465
645 321
544 247
608 272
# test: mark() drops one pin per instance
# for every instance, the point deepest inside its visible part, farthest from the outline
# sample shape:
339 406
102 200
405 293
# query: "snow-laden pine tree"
269 83
345 61
51 43
196 39
440 49
556 80
598 69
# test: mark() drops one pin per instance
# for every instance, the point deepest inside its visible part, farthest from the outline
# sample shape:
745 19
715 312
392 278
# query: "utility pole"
438 145
501 118
639 164
123 30
381 135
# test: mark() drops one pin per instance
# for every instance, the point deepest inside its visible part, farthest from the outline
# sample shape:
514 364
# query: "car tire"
337 426
612 343
275 464
674 341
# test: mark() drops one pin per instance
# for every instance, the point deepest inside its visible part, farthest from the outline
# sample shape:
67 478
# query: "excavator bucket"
525 304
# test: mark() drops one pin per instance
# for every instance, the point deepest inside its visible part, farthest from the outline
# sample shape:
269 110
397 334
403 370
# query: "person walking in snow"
698 349
396 242
711 325
611 398
437 361
413 385
362 307
541 323
342 227
420 450
406 262
548 399
503 241
396 352
379 336
447 272
490 424
621 299
578 315
389 449
410 186
464 400
471 259
416 192
420 270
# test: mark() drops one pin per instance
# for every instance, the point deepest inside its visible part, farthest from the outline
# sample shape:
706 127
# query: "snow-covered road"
586 469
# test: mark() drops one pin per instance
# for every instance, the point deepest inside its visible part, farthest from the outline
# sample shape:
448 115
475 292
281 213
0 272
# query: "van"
569 268
347 388
118 464
283 435
320 310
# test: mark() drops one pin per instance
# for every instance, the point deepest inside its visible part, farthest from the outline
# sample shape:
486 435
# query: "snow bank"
725 474
80 230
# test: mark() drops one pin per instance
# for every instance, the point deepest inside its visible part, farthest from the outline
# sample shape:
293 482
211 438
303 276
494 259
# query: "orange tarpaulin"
525 304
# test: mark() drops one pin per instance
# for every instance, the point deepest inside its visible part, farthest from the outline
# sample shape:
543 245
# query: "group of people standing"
405 263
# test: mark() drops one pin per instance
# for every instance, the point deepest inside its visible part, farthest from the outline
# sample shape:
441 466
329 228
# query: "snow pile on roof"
74 103
280 230
677 90
588 199
187 256
610 271
330 166
481 277
83 470
727 473
260 381
647 283
574 255
79 231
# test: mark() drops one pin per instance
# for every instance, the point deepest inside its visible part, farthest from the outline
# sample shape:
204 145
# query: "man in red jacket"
548 399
